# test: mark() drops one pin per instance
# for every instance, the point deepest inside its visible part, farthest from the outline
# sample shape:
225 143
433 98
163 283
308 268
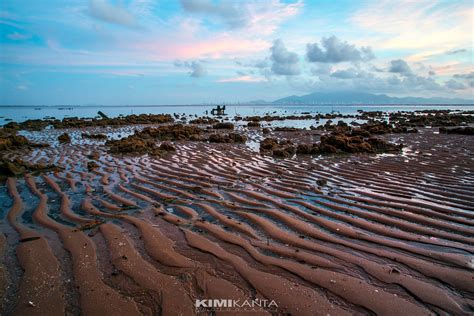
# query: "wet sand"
385 234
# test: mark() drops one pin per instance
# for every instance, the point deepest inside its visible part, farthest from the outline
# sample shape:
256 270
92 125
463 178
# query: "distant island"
348 97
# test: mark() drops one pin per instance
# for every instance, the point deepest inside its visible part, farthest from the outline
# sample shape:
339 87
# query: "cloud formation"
455 85
284 62
465 76
401 67
107 12
261 64
228 11
242 78
336 51
196 68
134 42
261 16
456 51
422 25
349 74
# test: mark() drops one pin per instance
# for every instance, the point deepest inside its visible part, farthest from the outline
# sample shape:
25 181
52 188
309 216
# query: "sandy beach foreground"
334 220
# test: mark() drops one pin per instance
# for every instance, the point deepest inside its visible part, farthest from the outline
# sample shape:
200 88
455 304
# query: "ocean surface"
23 113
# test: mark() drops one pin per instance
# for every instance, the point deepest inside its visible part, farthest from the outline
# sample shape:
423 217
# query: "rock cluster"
10 140
135 146
282 148
435 118
167 146
13 142
75 122
64 138
227 138
91 165
204 121
286 129
144 142
94 136
341 143
18 167
223 125
131 145
269 118
172 132
329 144
253 124
366 129
457 130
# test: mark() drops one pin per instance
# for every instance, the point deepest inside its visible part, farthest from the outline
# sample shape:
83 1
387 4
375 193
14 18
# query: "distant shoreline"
249 105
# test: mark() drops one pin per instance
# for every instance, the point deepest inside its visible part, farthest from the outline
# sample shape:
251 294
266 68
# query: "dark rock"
307 149
321 182
94 155
286 129
64 138
18 167
253 124
170 132
268 144
203 121
380 145
223 125
10 140
167 146
94 136
74 122
91 165
457 130
327 149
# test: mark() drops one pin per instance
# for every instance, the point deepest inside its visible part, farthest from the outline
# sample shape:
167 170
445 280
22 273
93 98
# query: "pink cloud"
215 48
241 79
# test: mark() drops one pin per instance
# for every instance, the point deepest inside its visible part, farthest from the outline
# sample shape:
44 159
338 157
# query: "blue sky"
195 51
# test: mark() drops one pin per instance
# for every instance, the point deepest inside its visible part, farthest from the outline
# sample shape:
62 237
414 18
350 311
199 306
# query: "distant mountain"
364 98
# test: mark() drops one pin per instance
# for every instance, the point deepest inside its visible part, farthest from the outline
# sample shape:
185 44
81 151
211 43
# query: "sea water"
23 113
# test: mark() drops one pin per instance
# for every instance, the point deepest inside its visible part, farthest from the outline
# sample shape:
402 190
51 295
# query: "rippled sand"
363 234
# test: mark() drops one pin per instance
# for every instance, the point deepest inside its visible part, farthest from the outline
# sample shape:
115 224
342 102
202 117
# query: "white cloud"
465 76
401 67
196 68
455 85
262 17
107 12
423 24
337 51
244 78
284 61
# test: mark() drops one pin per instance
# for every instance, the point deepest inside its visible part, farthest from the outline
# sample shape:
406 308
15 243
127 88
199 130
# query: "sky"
143 52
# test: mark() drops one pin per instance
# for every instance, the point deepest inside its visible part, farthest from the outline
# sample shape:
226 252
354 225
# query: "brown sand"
362 234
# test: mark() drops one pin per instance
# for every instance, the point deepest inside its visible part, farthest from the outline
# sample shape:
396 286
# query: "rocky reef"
457 130
75 122
10 140
18 167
